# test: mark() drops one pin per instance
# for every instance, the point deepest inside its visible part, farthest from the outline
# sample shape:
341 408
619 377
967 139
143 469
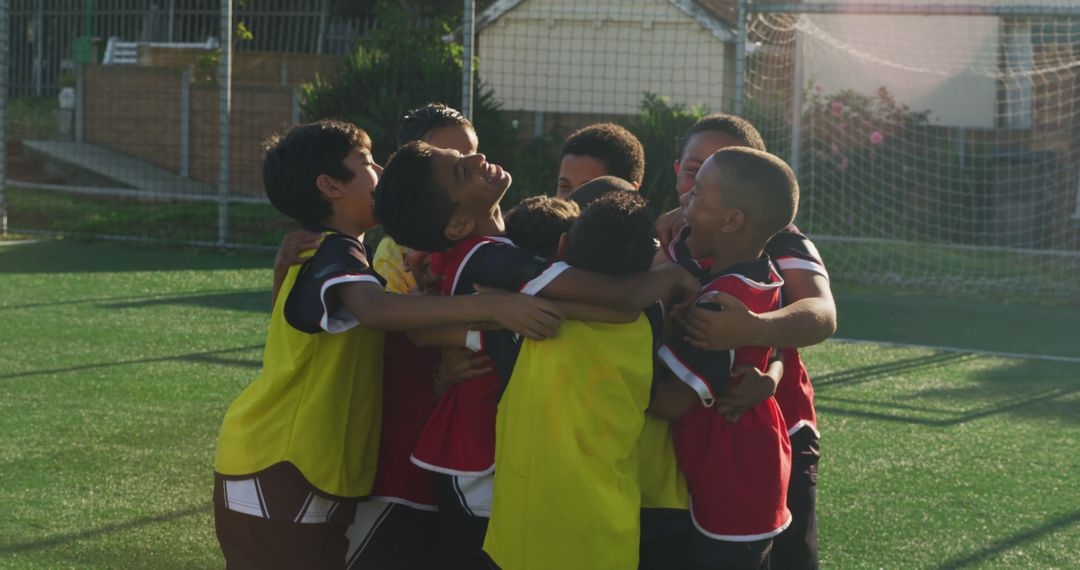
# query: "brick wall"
137 111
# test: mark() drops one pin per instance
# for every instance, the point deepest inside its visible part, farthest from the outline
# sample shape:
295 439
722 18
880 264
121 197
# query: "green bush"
660 129
401 66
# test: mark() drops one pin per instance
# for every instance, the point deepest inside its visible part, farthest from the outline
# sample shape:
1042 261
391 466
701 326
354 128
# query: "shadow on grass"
1029 388
992 551
208 357
66 538
68 256
253 301
863 374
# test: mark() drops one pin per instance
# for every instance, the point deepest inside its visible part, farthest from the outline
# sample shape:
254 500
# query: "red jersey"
737 473
459 439
408 400
790 250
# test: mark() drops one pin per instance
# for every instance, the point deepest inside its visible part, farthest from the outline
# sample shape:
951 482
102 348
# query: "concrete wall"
564 56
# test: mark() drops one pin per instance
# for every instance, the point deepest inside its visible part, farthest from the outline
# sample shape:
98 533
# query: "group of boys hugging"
578 386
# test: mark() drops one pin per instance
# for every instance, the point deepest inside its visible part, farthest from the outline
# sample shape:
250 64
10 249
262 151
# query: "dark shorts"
797 547
253 542
390 536
704 553
664 534
461 535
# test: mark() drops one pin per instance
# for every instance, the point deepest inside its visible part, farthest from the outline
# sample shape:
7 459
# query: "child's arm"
585 311
289 254
755 387
631 293
807 319
525 315
673 399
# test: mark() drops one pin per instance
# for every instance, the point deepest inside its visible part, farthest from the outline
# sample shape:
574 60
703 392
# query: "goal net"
934 150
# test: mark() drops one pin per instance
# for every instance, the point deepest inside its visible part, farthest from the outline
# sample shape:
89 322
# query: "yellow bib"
566 466
317 404
662 484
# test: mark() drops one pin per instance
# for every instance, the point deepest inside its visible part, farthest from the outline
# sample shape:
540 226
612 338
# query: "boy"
537 224
298 446
737 471
440 126
401 512
566 491
440 201
808 317
600 150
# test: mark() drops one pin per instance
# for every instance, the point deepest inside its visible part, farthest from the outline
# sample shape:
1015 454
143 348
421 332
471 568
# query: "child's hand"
732 326
668 226
755 387
459 364
293 245
528 316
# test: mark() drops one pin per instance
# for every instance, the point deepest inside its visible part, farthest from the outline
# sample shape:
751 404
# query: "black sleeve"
507 267
340 259
790 249
502 347
707 372
677 249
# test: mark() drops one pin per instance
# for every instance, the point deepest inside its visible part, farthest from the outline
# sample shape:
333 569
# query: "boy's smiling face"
471 182
711 222
356 197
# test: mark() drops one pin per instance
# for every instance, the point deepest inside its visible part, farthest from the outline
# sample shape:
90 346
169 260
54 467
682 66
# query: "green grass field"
117 363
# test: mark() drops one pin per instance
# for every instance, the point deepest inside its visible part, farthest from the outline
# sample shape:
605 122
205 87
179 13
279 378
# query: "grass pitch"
117 363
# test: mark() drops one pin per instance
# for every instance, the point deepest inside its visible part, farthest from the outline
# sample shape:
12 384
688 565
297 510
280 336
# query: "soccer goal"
937 145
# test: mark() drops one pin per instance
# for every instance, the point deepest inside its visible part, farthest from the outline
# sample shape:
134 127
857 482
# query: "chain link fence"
936 143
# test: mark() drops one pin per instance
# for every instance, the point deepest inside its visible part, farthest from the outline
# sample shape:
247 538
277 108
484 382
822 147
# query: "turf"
117 363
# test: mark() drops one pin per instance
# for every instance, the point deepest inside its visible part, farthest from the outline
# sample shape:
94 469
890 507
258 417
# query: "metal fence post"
224 114
324 12
4 46
80 101
297 95
740 59
797 96
185 122
468 38
39 49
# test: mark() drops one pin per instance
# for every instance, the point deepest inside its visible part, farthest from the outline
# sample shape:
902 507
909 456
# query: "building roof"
716 16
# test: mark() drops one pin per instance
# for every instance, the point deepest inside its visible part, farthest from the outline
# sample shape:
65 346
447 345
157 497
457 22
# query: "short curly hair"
293 161
732 125
410 204
422 120
619 150
537 223
615 235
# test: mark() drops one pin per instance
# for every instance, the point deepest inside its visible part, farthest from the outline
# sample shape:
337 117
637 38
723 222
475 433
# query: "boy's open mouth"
491 173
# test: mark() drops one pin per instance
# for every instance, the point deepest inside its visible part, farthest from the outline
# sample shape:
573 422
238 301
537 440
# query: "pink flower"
843 165
876 137
818 88
836 107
